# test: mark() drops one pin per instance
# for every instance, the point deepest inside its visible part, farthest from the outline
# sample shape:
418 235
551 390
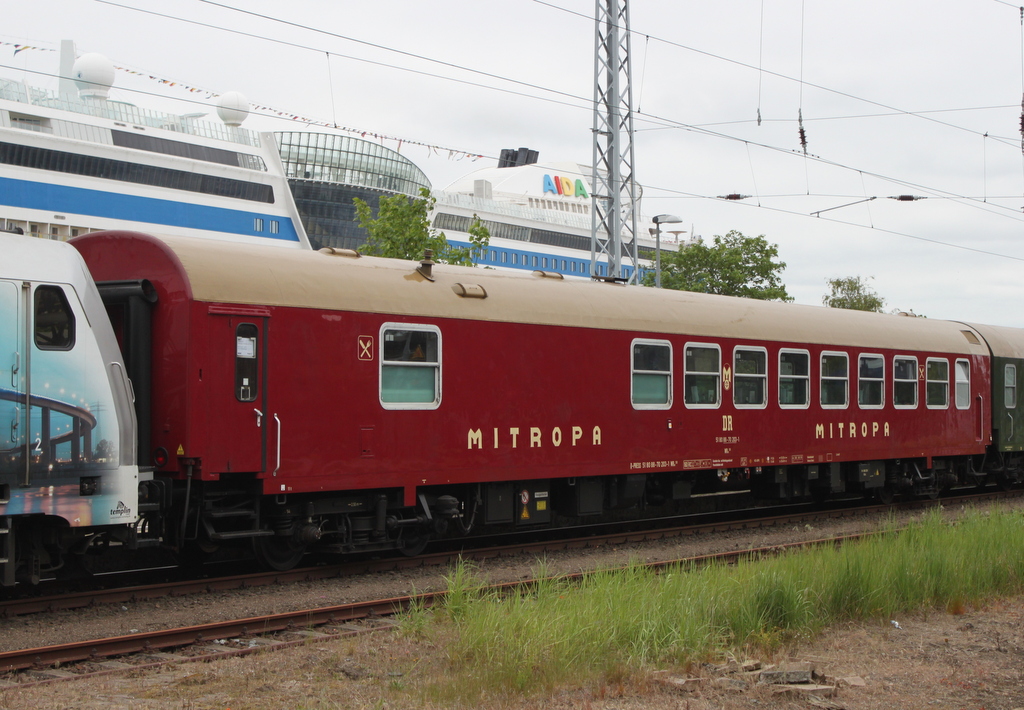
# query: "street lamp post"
658 221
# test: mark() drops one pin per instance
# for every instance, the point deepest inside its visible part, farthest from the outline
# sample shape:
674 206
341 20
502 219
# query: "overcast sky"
898 97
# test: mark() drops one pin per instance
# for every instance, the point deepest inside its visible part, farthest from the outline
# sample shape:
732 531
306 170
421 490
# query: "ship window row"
139 141
542 204
705 379
504 230
123 171
513 259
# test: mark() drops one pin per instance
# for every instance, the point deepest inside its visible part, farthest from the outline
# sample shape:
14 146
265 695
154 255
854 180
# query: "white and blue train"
68 470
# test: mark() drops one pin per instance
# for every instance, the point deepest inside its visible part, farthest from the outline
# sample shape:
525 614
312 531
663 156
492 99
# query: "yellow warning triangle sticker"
525 515
181 450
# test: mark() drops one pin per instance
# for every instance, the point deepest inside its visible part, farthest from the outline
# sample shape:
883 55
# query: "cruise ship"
76 161
538 216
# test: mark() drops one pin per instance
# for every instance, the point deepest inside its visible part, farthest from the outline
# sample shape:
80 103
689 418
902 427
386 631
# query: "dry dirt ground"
971 660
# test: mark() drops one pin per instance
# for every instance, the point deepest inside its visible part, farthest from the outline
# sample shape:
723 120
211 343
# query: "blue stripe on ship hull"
112 205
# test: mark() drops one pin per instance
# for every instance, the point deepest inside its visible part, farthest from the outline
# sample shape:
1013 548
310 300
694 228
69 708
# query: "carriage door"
13 382
244 427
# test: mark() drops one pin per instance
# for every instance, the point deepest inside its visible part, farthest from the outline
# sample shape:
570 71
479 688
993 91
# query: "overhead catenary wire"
779 75
582 100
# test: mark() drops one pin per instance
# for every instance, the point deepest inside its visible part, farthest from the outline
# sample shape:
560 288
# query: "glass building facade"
325 172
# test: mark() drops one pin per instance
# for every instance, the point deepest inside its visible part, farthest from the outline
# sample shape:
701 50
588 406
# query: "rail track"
695 525
273 631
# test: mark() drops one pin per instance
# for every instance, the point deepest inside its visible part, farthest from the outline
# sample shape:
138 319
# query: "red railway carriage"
322 399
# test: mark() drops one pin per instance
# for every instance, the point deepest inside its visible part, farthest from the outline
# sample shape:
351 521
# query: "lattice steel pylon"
614 191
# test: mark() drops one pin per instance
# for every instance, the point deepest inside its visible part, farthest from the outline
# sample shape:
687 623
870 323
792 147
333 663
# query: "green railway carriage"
1007 348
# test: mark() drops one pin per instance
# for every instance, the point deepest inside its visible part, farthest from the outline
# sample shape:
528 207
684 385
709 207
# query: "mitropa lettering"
559 185
533 437
850 430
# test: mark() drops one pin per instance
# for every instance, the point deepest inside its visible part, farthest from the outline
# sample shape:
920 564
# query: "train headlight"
160 457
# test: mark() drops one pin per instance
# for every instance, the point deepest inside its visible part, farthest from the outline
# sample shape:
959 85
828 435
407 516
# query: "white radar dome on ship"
233 108
94 75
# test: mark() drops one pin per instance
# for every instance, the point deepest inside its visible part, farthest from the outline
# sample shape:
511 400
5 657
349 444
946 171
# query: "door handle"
278 466
259 418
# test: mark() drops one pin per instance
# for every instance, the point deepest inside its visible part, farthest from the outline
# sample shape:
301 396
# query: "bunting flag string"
453 154
22 47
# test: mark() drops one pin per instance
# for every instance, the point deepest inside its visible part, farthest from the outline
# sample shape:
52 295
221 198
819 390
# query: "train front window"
410 370
904 382
652 374
870 381
835 380
54 320
246 362
937 383
702 375
750 370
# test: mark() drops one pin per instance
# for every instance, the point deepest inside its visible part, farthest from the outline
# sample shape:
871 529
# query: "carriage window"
702 375
794 378
652 374
54 320
410 367
246 362
937 383
963 384
904 382
835 379
870 380
750 371
1010 386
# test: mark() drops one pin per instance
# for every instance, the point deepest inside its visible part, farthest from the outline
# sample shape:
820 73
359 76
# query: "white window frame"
928 381
634 371
718 376
916 381
736 377
806 378
437 366
881 381
957 382
822 378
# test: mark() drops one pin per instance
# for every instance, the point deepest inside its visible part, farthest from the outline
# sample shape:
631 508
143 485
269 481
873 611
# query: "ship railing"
127 113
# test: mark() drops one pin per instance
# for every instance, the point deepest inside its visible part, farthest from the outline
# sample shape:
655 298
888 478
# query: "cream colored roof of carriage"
225 272
1005 342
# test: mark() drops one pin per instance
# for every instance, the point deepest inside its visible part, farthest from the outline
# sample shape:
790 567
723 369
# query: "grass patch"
612 625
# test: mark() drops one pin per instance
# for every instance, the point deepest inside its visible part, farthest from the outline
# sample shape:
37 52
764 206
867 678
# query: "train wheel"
413 544
886 494
277 553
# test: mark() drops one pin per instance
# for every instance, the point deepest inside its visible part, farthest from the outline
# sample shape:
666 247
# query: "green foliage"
734 265
853 293
402 230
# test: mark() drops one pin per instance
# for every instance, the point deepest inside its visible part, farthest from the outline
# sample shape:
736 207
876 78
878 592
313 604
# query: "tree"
734 265
402 230
853 293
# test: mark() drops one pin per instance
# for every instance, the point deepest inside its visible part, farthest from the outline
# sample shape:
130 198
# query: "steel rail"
154 642
16 607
